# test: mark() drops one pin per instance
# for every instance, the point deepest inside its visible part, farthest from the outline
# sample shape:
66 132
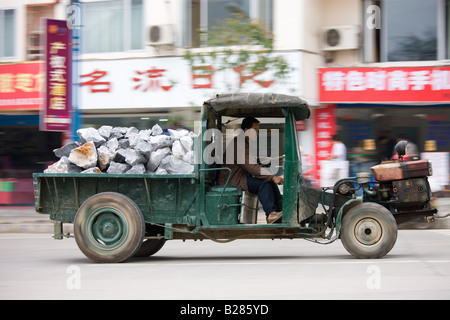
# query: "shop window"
202 15
7 33
34 33
24 149
410 30
112 26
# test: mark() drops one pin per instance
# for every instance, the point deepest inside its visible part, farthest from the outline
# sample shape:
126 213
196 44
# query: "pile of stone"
127 150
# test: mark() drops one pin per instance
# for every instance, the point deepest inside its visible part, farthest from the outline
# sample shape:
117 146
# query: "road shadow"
255 259
217 258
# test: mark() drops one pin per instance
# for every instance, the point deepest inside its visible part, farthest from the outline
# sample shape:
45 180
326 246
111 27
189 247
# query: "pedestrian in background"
338 151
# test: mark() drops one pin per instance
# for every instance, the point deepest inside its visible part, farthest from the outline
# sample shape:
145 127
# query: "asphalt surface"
34 266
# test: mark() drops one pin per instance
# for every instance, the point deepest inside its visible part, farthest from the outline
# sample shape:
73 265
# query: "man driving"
249 175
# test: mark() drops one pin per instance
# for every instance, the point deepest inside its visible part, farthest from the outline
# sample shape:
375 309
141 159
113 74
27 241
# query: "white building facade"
343 53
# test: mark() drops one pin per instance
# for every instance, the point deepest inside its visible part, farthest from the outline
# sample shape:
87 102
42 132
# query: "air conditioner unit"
160 35
340 38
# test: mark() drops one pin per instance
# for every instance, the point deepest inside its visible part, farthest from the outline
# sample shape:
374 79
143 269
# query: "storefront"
23 148
375 107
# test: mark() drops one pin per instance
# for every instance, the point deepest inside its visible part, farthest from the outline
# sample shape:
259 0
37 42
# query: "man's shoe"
274 217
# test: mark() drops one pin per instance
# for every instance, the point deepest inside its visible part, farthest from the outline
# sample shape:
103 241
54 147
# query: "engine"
402 186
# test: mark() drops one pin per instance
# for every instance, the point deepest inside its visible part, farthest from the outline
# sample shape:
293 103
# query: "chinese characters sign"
20 86
56 112
407 84
165 82
324 129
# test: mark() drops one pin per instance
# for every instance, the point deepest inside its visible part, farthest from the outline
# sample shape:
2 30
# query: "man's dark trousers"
268 194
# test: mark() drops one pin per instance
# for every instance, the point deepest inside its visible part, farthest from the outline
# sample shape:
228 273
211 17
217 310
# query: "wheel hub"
107 228
368 231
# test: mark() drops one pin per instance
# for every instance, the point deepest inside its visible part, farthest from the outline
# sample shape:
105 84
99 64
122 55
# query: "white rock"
156 130
177 134
161 171
173 165
189 157
105 156
156 157
132 157
130 131
90 134
85 156
120 156
144 147
118 168
124 143
113 144
65 150
62 166
177 149
145 134
187 143
160 141
92 170
105 131
118 132
133 139
137 169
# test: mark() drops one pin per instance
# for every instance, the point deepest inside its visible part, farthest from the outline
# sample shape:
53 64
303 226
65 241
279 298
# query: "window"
112 26
137 25
7 33
204 14
410 30
218 10
34 15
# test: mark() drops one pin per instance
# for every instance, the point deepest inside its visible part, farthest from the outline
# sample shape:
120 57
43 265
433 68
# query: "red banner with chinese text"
324 129
21 85
393 84
55 116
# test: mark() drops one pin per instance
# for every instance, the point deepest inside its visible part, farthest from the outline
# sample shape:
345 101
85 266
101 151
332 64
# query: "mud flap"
308 201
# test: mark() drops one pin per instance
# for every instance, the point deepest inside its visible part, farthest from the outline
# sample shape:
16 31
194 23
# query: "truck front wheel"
368 231
109 227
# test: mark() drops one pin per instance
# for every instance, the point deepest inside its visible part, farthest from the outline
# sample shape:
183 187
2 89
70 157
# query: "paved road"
34 266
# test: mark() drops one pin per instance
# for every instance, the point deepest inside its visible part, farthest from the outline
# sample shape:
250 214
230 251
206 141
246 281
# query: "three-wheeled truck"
118 216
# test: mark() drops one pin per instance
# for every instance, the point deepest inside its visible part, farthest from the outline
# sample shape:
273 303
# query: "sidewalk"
26 220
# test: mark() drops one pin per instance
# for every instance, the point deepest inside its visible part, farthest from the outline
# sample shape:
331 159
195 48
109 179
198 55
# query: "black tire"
150 247
369 231
109 227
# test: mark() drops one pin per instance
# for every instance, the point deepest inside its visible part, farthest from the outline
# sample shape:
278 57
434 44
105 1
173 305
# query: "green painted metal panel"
223 206
170 199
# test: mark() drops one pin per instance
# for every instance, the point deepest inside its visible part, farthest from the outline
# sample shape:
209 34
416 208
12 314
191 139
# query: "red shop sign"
20 86
396 84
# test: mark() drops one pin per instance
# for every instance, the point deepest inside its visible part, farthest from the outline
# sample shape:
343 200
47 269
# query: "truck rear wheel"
368 231
149 247
109 227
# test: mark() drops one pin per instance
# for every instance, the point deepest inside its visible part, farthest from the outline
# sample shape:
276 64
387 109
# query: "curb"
41 228
26 228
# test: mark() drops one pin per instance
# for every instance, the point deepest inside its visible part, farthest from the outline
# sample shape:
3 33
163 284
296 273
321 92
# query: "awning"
261 104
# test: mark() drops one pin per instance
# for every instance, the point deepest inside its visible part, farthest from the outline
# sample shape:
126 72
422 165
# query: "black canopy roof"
258 104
